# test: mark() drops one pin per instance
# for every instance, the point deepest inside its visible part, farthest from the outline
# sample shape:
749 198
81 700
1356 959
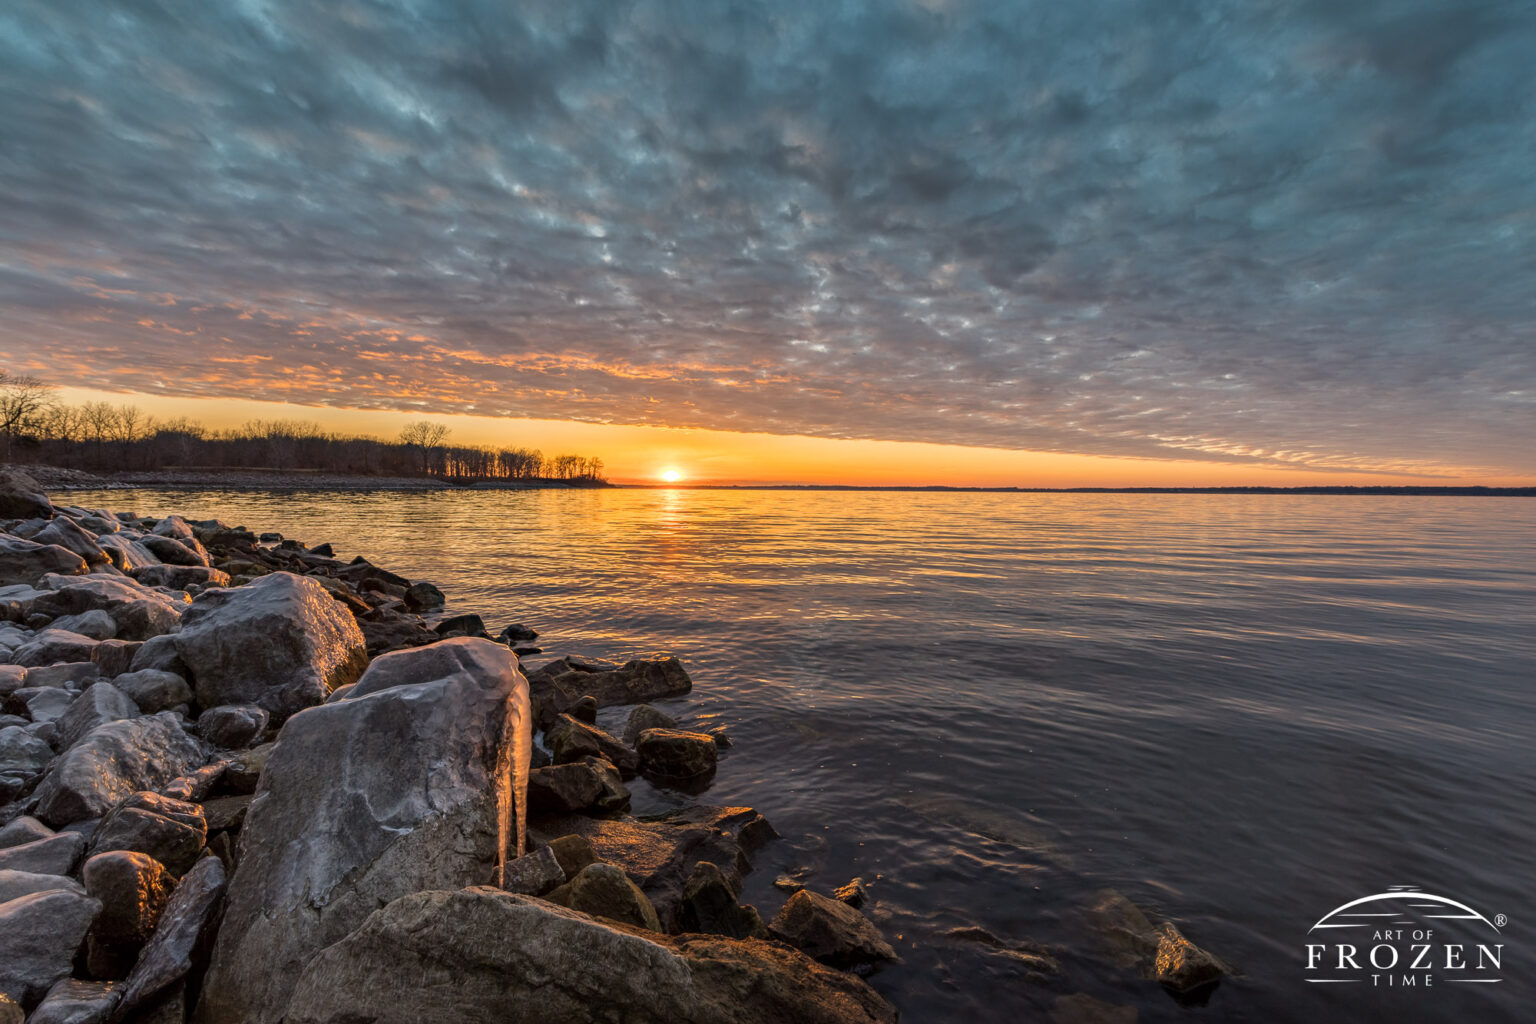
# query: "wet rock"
517 633
176 552
573 852
11 1011
54 645
589 784
1126 929
133 890
99 705
21 497
710 905
569 740
461 625
126 553
22 561
112 761
39 935
154 690
180 577
41 704
1183 966
854 894
94 624
16 884
12 677
56 855
171 831
603 890
670 754
423 597
560 684
829 931
114 657
139 611
23 830
643 717
21 753
394 634
279 642
784 883
72 1001
480 954
585 710
534 874
232 726
1033 956
226 813
405 785
194 788
179 944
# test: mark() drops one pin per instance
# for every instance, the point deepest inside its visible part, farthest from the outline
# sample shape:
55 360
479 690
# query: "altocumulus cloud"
1295 232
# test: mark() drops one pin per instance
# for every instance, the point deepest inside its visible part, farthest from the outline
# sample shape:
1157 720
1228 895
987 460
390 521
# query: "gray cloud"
1284 231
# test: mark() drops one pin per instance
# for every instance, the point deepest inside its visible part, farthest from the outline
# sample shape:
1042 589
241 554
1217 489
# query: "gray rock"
42 704
174 527
99 705
557 686
16 884
12 678
671 754
180 577
112 761
603 890
483 955
23 830
54 645
534 874
114 657
63 532
72 1001
570 740
585 710
21 497
413 782
645 717
232 726
173 832
140 612
22 561
56 855
22 753
39 935
154 690
176 552
422 597
71 675
125 552
831 932
280 642
195 787
133 890
96 624
244 771
227 813
169 956
160 654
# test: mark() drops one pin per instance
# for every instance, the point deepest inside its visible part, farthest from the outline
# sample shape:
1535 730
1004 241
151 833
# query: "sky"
928 242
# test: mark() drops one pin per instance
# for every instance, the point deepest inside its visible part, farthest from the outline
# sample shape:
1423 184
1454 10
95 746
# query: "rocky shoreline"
243 780
58 479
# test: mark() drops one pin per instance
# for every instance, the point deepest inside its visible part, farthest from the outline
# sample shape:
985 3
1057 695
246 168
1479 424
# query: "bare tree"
426 436
22 400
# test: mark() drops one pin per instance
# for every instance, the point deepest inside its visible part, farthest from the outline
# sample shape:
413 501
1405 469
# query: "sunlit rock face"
413 780
280 642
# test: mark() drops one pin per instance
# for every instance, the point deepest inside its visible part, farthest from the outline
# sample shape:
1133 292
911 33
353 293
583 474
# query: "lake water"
1241 712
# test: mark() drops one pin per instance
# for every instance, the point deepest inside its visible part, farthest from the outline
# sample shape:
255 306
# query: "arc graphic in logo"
1404 937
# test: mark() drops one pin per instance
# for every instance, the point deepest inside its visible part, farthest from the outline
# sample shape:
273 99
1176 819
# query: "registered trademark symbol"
1500 920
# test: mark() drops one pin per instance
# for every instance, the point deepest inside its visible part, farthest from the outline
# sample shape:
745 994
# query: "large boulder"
112 761
413 781
557 686
21 497
481 954
22 561
280 642
39 935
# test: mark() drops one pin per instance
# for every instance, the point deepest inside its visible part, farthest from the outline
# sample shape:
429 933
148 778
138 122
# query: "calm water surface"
1242 712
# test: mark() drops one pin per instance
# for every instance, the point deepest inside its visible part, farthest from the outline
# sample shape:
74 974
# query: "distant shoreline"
283 480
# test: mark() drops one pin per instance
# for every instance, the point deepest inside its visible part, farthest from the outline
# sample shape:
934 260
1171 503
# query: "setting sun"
671 476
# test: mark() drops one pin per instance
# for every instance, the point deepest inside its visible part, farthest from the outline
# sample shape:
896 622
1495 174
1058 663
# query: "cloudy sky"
1277 232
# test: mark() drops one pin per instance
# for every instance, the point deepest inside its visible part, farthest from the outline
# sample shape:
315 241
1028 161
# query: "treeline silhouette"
35 428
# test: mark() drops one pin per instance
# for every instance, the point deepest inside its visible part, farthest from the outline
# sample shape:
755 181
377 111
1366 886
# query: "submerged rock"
279 642
670 754
480 954
557 686
406 784
831 932
1184 966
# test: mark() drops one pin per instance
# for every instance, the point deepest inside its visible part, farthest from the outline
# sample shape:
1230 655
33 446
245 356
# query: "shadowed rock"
21 497
133 890
22 561
99 705
15 884
171 831
72 1001
557 686
232 726
54 855
179 942
603 890
571 740
831 932
39 935
480 954
413 781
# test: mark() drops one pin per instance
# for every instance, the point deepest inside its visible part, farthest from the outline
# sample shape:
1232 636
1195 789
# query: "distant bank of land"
1432 491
